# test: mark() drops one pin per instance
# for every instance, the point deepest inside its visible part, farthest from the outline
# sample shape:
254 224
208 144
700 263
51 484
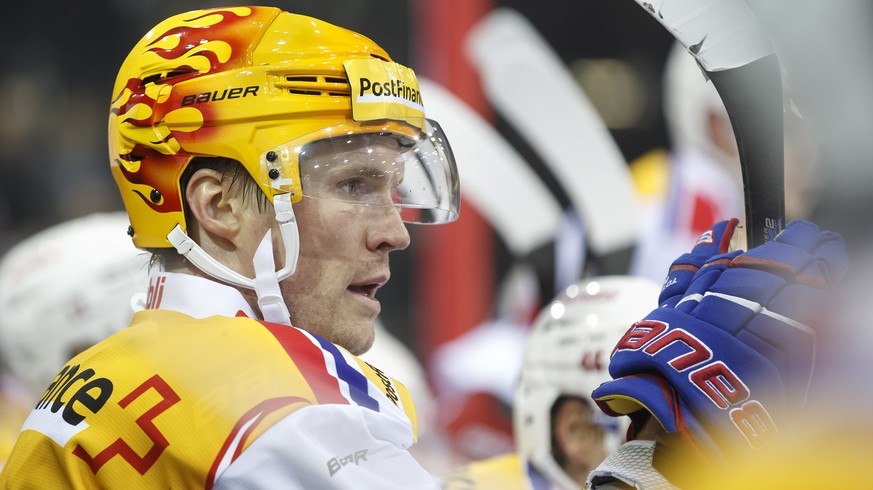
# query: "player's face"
347 227
581 439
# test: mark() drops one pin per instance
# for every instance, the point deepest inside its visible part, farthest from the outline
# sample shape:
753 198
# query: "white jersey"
693 193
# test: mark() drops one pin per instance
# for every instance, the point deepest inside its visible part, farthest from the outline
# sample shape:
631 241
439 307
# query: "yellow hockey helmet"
257 85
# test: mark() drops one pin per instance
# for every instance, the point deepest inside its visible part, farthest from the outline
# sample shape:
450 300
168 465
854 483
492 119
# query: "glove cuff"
652 393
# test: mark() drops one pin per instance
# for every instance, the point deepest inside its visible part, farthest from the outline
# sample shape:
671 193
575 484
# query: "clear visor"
406 165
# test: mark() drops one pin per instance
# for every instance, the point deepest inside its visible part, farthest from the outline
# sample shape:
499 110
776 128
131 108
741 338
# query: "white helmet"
65 289
568 354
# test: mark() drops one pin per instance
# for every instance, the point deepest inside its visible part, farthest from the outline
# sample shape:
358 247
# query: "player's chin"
358 335
365 345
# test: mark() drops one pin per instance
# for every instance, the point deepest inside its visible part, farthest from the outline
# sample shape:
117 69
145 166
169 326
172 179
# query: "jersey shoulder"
189 393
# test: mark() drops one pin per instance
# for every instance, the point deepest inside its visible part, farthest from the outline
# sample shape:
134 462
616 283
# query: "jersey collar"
195 296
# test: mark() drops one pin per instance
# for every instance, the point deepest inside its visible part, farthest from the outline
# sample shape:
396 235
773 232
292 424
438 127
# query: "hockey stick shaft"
752 96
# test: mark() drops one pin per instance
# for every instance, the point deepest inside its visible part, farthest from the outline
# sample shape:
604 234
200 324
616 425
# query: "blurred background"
60 64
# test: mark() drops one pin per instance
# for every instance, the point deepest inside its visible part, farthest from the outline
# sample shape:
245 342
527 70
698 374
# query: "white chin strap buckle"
267 278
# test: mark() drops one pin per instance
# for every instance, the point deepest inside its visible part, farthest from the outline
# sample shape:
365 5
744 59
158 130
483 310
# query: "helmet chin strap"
266 281
270 299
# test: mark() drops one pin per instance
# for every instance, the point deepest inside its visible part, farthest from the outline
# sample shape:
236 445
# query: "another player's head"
279 154
558 429
697 120
63 290
694 112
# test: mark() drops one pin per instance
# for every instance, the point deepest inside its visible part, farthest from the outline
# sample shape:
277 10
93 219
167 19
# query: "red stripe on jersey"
309 359
705 213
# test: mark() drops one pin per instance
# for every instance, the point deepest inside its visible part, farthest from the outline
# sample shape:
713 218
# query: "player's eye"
353 187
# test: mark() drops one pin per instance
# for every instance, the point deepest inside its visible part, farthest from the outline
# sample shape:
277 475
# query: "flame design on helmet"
200 45
193 39
190 47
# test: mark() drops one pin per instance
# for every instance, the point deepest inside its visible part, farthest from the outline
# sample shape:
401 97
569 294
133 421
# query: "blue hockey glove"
717 241
733 340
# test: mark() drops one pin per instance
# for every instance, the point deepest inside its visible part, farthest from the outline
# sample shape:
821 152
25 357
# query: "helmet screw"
130 231
271 157
274 172
155 196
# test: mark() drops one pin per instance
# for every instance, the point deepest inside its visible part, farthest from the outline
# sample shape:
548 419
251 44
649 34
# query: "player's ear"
214 206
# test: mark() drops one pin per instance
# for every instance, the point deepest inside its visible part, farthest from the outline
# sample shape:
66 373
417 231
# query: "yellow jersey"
182 401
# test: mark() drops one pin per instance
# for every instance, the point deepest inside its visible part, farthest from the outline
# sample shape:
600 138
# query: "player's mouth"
365 291
368 290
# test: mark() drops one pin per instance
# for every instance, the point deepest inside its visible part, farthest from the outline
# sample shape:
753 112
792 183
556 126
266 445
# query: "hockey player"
279 156
560 435
720 369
